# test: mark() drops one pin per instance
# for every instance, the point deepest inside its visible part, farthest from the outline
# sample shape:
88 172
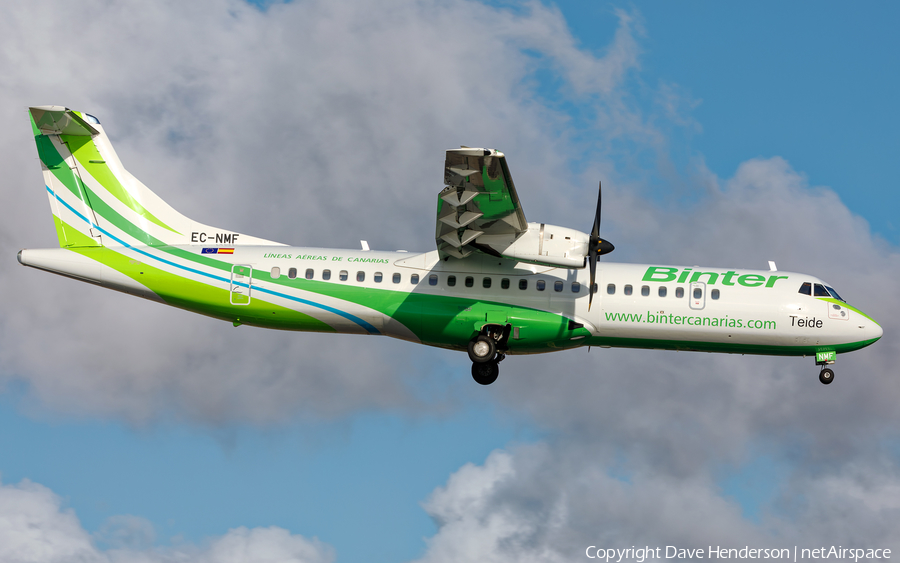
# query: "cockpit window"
806 288
820 291
834 294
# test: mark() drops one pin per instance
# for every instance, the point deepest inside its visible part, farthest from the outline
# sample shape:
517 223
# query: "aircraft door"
241 284
698 295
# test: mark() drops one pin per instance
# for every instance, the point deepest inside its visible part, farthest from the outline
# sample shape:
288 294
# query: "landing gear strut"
486 351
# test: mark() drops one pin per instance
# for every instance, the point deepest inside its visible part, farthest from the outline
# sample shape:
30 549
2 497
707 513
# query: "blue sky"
380 449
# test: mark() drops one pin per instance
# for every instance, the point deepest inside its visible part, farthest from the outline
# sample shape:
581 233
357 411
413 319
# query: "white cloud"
639 440
322 123
314 123
34 527
549 502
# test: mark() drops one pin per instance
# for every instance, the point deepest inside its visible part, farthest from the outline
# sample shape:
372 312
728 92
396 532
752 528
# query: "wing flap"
479 199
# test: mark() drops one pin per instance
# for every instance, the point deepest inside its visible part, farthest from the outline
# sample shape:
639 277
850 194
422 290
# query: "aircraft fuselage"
420 298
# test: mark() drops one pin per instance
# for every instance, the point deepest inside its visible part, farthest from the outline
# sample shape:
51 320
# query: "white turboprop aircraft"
496 285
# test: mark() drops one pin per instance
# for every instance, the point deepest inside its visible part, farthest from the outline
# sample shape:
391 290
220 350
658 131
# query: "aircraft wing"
478 202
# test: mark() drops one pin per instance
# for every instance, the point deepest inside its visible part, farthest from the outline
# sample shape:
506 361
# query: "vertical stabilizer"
96 202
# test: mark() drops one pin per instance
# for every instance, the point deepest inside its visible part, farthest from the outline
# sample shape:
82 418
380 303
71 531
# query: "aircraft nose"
871 330
875 330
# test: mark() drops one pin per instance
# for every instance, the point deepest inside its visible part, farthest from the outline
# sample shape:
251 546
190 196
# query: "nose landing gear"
486 351
824 359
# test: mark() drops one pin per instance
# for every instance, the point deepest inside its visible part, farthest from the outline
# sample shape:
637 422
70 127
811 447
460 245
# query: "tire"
826 376
482 350
485 374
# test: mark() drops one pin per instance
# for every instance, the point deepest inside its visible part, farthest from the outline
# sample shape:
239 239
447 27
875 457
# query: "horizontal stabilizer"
58 120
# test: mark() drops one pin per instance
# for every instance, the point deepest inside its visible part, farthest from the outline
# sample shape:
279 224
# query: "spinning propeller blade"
597 246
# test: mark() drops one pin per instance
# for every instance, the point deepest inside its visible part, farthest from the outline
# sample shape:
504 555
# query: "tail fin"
96 202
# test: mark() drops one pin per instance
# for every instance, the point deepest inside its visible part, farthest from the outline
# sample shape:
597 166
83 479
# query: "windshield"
834 294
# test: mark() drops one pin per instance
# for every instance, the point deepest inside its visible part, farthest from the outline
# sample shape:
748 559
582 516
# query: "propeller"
596 246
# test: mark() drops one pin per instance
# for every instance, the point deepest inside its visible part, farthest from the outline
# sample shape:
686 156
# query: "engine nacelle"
543 244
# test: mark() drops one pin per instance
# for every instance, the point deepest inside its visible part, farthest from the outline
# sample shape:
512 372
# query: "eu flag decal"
209 251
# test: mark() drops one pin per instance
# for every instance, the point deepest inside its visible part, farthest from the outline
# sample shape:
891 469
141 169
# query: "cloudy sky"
725 136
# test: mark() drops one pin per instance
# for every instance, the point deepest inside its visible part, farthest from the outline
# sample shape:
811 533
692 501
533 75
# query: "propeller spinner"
597 246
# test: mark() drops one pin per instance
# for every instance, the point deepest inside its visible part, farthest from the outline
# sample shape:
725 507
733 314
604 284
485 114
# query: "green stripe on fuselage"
449 321
200 297
843 304
725 347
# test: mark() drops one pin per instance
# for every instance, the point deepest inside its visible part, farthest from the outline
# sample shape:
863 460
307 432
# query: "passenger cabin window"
432 279
326 274
486 283
595 288
714 294
541 285
806 288
698 293
504 283
628 289
292 273
414 279
470 281
679 292
360 276
820 291
309 273
576 287
343 275
558 286
662 291
523 284
396 278
611 289
276 272
645 290
378 277
451 281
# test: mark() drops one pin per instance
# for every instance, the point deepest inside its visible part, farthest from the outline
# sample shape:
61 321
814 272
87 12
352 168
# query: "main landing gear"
486 351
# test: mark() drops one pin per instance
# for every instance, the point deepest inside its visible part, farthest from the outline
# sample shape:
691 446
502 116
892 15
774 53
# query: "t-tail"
100 210
96 202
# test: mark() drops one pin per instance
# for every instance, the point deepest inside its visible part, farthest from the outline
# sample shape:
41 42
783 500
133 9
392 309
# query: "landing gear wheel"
482 350
485 373
826 376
